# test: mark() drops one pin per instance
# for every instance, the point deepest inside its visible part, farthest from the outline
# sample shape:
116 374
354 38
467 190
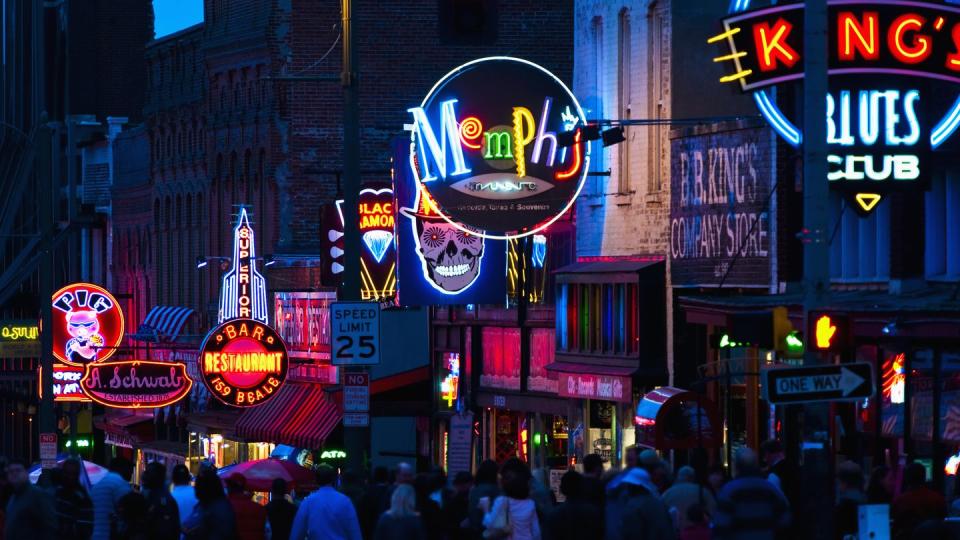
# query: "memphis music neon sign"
883 57
487 147
243 293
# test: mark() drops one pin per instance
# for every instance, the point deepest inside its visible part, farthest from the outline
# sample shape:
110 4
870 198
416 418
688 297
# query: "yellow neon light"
867 200
728 33
938 24
825 331
733 56
898 32
871 46
522 118
736 76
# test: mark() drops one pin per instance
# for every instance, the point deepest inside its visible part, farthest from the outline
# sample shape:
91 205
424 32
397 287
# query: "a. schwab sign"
721 221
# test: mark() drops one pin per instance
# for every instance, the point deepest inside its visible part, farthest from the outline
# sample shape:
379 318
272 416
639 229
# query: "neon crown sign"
487 147
243 293
883 58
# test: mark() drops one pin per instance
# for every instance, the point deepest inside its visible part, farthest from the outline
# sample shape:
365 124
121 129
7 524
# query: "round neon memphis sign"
243 362
489 147
87 324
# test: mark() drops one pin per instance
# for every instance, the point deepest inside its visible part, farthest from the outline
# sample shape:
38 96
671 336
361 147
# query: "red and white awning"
163 323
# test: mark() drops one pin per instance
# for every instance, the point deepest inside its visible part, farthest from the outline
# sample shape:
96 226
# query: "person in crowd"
280 511
749 506
632 456
183 492
130 519
686 492
30 513
916 504
513 513
849 497
404 475
644 514
880 485
697 524
401 521
541 494
431 516
716 479
163 513
107 493
781 472
593 489
73 504
455 513
577 516
375 501
4 494
251 517
351 485
485 486
212 517
326 514
438 487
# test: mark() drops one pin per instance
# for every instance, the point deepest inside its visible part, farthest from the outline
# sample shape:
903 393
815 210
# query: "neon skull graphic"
86 340
450 256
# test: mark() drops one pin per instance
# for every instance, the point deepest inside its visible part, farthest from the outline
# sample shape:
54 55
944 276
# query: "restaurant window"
860 246
501 358
942 228
542 349
598 318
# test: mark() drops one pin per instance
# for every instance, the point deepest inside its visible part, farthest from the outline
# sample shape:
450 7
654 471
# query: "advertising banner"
721 224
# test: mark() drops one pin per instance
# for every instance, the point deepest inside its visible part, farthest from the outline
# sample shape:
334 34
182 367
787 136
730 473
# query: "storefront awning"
593 381
671 418
573 367
300 415
608 271
213 422
163 324
126 428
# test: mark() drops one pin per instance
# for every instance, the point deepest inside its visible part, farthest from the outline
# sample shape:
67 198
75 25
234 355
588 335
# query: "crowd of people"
648 499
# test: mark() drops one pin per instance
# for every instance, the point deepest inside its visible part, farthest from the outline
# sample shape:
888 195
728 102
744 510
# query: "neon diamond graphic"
378 242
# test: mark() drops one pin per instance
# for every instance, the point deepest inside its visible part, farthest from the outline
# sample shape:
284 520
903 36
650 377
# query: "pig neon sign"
497 143
887 63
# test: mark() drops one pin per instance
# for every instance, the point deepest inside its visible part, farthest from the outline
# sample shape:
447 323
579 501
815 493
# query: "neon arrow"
867 200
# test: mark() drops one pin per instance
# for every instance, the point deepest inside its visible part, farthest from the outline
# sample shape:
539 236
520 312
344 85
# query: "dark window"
468 22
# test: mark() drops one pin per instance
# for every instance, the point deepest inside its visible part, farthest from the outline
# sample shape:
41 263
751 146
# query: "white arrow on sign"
846 381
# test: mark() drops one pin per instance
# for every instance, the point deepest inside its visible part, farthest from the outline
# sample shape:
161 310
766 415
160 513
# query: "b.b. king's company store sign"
498 145
243 362
893 96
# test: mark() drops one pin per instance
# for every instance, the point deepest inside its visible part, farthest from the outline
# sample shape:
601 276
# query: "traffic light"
786 339
828 331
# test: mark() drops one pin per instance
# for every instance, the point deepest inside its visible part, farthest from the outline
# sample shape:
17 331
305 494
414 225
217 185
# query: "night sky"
173 15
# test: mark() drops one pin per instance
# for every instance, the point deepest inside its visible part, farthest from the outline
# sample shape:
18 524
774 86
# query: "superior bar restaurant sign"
243 362
487 147
894 71
720 221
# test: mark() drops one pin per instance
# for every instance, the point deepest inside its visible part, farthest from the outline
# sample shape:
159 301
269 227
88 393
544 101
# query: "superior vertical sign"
893 99
243 294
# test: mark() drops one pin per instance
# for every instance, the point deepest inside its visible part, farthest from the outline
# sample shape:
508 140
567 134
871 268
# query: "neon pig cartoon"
450 256
87 325
87 340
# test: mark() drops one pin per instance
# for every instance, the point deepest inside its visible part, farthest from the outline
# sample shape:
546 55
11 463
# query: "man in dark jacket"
30 514
575 518
749 506
73 504
645 517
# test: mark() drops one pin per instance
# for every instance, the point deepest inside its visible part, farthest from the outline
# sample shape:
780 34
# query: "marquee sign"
87 324
133 384
243 362
487 147
243 293
437 262
378 258
889 63
66 383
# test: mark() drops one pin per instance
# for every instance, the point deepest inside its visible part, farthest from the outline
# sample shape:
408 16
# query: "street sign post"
842 382
356 392
48 450
356 333
356 419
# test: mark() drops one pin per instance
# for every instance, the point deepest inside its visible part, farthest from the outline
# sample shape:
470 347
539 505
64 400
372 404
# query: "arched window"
247 178
233 177
624 73
656 134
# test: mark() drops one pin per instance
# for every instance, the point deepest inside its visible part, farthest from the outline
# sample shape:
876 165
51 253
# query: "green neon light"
794 343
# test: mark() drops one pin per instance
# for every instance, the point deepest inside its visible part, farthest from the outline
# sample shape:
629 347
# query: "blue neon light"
449 131
947 126
780 124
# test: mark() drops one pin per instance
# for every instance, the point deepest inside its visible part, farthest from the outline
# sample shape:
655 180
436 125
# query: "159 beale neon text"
498 145
892 66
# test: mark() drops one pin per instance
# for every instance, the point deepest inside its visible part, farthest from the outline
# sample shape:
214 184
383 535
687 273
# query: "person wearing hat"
251 517
326 514
644 515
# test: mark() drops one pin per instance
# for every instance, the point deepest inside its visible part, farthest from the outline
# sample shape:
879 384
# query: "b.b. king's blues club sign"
894 85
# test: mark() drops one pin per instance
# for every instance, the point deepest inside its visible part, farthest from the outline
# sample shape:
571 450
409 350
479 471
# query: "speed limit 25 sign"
356 333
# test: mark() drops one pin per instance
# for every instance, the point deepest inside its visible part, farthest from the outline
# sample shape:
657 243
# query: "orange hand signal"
825 331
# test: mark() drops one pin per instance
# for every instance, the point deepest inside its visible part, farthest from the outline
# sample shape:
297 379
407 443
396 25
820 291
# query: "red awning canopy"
301 415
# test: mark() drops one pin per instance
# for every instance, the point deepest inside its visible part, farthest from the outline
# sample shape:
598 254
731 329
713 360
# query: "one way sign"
818 383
